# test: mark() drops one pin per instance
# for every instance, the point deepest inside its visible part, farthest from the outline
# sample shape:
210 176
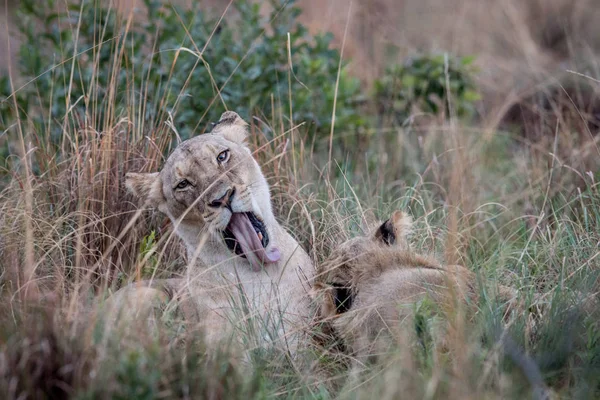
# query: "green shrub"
422 83
157 63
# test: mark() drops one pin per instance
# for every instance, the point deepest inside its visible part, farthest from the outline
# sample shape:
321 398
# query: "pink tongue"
244 233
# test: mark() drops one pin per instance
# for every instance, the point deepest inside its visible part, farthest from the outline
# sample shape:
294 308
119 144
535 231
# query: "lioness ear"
146 187
232 127
323 295
395 230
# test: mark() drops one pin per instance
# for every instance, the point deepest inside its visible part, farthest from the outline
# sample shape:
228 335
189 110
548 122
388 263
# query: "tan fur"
219 283
386 281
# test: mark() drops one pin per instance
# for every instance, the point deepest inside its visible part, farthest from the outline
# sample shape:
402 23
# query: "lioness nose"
223 201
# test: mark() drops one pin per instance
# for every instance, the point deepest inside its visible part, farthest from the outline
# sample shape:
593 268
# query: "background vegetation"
491 143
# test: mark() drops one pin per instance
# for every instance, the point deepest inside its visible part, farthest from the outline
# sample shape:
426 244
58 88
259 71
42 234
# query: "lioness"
371 285
249 273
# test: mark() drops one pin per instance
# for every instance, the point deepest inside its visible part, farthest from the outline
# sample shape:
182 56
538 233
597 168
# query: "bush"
422 83
162 65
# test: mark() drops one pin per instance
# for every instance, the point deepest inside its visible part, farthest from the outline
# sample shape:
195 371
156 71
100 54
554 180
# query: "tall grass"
523 214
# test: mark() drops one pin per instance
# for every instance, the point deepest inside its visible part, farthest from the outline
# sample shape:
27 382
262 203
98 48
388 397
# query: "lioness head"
354 260
212 182
393 233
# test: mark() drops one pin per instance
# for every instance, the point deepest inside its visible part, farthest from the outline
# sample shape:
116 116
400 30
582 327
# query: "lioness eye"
183 184
223 156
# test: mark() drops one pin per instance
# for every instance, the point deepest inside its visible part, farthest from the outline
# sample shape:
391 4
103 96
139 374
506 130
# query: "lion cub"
372 285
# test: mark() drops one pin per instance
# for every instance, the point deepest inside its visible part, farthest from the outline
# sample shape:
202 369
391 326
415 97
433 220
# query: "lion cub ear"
232 127
146 187
395 230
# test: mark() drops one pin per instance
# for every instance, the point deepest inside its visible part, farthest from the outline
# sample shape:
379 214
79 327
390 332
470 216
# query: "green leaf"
471 96
467 60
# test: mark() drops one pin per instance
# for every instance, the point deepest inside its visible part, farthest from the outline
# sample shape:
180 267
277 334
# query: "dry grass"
523 210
